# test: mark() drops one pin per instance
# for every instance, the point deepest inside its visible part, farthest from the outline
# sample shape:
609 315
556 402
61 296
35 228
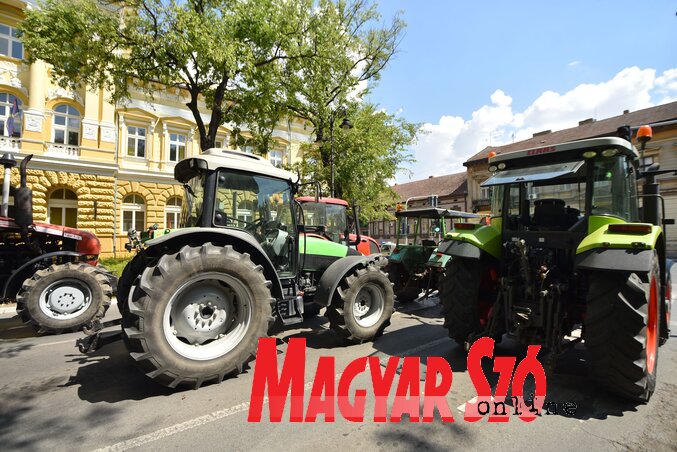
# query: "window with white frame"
63 208
485 192
177 147
136 141
10 44
275 158
133 213
66 128
10 115
172 212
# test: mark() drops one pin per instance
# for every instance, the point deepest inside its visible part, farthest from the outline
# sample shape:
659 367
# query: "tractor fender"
337 271
15 281
241 241
459 249
615 260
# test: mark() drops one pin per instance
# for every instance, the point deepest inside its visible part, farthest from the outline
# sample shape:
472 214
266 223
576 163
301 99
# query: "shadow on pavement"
23 399
13 328
110 375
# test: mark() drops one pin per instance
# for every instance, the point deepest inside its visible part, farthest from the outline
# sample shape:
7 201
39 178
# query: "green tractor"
416 266
568 256
196 300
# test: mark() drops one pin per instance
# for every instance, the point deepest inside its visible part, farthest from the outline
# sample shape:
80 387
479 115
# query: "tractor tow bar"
95 336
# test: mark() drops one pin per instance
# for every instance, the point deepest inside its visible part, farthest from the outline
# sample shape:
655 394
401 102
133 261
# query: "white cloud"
450 142
573 63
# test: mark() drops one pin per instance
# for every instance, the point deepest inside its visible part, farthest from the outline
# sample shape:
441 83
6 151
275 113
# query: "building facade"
451 193
102 167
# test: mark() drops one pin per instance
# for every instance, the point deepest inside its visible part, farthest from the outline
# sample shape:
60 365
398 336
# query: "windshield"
191 209
558 203
261 206
331 216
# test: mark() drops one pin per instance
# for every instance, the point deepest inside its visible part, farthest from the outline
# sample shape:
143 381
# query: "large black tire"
621 331
362 305
398 277
64 297
459 289
226 303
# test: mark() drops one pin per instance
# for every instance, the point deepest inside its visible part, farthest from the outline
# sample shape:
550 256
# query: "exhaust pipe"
23 199
8 162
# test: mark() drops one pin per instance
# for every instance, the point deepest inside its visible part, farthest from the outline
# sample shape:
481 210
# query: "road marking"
216 415
55 343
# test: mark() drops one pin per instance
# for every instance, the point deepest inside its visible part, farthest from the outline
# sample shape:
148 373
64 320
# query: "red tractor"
332 213
50 271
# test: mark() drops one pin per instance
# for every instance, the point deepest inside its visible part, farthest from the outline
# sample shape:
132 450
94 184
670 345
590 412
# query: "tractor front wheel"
196 316
64 297
362 305
622 332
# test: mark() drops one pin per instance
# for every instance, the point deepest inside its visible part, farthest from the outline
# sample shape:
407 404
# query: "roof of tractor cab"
216 158
335 201
435 212
547 152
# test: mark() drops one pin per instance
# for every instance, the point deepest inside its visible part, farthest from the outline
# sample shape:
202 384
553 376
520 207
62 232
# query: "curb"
8 308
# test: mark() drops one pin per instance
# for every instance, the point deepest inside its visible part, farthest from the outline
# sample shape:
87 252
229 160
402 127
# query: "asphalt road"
54 398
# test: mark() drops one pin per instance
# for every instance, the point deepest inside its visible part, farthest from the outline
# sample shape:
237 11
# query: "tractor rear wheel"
397 275
459 290
362 305
64 297
621 331
196 316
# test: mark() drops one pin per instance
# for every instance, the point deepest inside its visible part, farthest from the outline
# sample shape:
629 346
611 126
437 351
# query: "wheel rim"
65 299
668 300
652 326
208 316
369 305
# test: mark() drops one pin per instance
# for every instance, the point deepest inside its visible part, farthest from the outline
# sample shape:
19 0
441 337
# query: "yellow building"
98 166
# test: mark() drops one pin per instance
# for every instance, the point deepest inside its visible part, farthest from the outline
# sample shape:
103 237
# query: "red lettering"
530 365
324 383
408 384
504 365
382 384
352 412
480 348
266 375
435 395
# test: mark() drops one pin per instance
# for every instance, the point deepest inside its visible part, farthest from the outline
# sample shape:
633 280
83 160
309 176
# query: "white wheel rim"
65 299
368 305
208 316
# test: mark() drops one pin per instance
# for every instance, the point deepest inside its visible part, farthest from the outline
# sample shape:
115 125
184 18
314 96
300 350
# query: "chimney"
586 121
625 112
545 132
430 177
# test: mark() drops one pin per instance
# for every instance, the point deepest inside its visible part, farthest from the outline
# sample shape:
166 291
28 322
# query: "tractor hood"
534 173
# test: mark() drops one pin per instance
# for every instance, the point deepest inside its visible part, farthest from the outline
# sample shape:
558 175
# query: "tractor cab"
410 265
248 195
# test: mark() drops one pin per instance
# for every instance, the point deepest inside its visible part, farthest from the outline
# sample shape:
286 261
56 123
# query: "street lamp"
345 125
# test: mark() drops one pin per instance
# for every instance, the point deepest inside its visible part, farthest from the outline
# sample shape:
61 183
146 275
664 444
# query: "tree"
248 60
365 158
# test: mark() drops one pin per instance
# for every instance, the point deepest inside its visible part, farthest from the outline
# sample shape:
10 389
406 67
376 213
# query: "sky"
481 73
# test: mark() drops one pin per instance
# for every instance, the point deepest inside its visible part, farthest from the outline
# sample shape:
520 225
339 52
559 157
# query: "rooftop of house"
588 128
450 184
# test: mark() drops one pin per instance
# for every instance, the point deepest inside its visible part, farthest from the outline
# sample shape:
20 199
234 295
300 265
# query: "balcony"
9 144
64 151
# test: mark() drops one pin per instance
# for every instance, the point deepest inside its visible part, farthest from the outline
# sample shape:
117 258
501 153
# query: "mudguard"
621 260
483 238
241 241
15 281
337 271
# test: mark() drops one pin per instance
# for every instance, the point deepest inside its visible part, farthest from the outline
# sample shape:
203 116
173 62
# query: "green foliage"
366 158
253 62
114 265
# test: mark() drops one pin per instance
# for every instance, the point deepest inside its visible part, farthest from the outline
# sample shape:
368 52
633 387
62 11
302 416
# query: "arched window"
172 212
63 208
66 129
133 213
10 115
